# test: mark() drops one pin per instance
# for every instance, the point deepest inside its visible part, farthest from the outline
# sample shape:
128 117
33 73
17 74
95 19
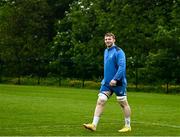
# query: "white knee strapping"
121 98
102 97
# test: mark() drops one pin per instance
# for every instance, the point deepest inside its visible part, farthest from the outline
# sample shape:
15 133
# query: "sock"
95 120
127 121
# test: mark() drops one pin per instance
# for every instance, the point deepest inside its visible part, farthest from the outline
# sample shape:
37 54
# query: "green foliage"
64 38
163 65
25 36
77 37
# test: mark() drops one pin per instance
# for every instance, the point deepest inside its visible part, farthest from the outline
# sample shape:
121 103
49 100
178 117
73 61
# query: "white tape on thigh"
121 98
102 97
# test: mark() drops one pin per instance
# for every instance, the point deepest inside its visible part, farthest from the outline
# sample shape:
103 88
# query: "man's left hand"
113 83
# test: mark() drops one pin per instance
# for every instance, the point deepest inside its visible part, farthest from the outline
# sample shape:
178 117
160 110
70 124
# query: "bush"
54 81
92 85
75 83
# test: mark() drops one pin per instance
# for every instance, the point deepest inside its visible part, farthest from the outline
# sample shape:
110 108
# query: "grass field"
53 111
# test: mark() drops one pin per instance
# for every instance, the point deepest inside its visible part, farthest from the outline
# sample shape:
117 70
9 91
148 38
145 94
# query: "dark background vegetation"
61 41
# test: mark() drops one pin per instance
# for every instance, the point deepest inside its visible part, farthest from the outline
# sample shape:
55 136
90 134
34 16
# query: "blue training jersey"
114 66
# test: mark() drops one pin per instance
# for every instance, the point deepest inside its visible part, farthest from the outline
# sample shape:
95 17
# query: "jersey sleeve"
121 65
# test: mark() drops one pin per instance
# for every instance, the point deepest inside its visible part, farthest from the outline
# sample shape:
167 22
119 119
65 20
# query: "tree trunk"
136 82
39 80
83 83
0 69
19 80
60 80
167 87
0 72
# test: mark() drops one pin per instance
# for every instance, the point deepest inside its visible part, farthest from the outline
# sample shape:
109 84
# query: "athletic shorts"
118 90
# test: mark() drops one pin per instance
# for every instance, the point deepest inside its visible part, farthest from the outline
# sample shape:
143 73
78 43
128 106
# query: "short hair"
109 34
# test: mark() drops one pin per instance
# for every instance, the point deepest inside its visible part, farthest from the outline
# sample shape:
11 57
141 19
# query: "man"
114 82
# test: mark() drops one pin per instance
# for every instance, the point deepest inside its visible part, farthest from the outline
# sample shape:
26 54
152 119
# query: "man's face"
109 40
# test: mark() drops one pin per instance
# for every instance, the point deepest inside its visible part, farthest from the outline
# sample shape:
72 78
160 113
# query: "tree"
82 39
165 58
25 35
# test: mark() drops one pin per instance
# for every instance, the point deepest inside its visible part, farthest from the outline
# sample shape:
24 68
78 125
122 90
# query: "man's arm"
121 63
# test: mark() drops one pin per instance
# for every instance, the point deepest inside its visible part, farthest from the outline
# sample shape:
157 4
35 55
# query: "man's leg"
102 98
122 100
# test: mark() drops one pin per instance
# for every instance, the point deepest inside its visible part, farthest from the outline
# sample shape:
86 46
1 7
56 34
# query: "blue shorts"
118 90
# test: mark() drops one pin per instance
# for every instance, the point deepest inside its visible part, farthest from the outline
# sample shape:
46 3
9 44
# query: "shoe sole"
88 128
124 131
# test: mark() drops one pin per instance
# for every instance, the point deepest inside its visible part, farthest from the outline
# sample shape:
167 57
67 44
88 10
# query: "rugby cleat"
125 129
91 127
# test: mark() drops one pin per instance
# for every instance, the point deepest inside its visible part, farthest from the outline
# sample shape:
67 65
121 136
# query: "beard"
109 45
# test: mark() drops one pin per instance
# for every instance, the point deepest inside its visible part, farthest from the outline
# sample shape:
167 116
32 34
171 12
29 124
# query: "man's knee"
122 100
102 98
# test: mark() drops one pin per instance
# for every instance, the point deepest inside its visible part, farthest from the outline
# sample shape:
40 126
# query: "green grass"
53 111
